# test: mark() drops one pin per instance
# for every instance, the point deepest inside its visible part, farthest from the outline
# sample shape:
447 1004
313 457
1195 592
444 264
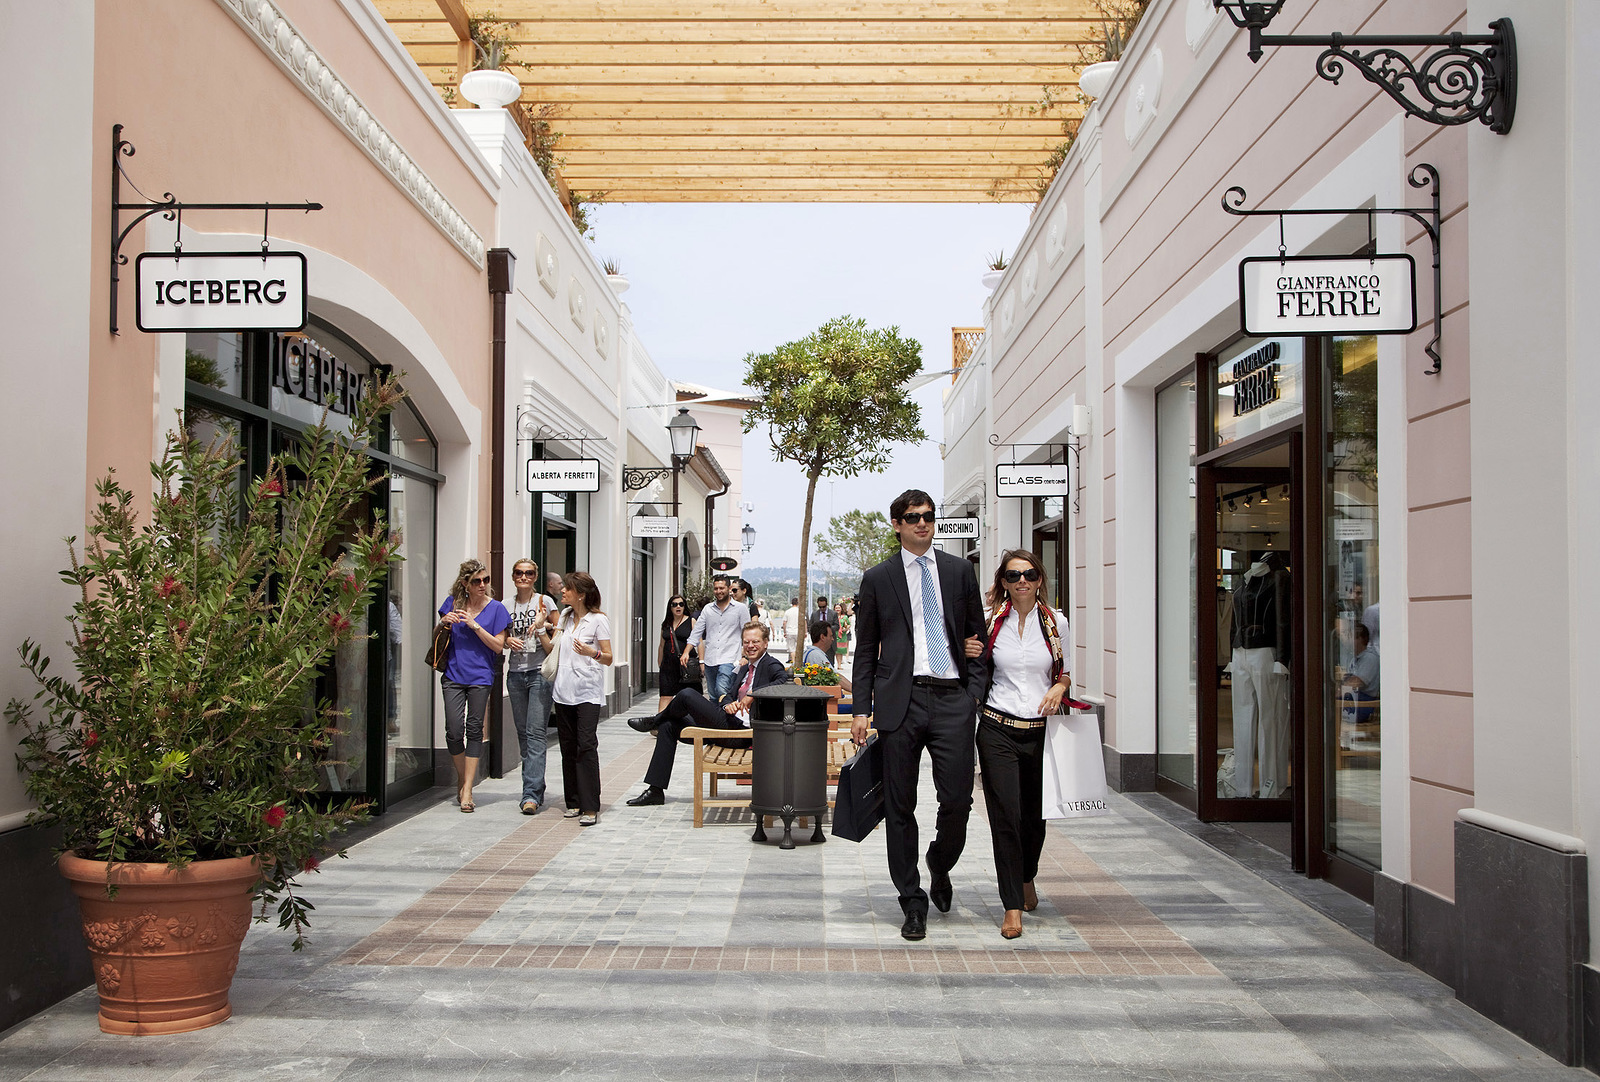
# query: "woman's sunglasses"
677 604
1032 575
484 581
914 517
521 574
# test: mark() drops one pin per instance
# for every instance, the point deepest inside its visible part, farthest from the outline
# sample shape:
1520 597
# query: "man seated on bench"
689 709
823 638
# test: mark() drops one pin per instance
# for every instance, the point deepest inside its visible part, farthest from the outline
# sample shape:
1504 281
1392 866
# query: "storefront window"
1354 720
1176 677
408 683
1259 384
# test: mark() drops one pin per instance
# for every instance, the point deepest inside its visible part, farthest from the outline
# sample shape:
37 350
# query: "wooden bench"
712 763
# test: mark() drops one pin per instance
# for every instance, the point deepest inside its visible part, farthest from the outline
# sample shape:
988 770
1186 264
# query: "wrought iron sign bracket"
532 434
635 478
1470 77
1074 447
169 207
1423 176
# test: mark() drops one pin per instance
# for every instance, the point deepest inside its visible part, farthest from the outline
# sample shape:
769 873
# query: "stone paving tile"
1154 957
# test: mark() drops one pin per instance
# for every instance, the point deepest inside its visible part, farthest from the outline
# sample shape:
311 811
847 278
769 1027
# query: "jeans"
719 681
530 713
464 708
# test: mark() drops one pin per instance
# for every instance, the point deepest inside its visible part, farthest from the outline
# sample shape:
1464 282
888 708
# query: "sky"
711 283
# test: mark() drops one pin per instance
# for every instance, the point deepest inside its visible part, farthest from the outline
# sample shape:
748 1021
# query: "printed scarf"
1047 623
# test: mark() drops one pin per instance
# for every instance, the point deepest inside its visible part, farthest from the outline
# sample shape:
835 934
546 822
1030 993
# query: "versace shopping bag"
858 805
1074 768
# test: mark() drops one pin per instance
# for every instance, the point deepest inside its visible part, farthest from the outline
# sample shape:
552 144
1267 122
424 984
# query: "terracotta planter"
165 948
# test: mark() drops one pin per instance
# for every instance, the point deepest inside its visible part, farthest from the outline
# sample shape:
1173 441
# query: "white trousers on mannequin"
1260 723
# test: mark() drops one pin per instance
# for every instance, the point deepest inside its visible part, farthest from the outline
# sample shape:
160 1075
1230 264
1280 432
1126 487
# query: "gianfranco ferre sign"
564 475
221 291
1020 479
1317 295
955 529
654 526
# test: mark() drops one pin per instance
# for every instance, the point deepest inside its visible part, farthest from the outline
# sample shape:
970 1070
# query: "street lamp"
748 537
682 431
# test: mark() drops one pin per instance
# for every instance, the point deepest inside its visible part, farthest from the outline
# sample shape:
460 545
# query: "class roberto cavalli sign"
221 291
1300 295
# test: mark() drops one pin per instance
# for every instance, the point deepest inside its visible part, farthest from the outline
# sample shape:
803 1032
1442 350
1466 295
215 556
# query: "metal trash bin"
789 758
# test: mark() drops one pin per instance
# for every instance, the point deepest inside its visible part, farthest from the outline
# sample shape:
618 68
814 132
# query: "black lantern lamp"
747 537
683 430
1469 76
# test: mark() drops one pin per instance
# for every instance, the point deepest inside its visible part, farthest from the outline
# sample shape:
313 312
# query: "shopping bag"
1074 768
858 804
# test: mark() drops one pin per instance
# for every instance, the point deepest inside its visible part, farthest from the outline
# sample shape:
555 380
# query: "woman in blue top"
478 628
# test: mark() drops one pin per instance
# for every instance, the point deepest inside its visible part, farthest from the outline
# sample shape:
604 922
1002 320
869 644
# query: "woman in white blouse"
579 691
1027 659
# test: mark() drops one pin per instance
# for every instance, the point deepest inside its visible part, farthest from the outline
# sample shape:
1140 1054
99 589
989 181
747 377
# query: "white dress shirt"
722 630
919 664
1022 664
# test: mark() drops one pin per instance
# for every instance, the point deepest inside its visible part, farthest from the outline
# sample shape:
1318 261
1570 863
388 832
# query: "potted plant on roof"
614 277
180 756
489 85
996 270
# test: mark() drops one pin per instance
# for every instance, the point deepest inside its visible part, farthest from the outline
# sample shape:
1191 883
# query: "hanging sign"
654 525
564 475
955 529
1018 479
1317 295
221 291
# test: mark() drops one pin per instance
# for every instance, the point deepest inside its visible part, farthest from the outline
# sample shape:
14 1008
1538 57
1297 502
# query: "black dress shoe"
940 891
644 725
916 925
651 795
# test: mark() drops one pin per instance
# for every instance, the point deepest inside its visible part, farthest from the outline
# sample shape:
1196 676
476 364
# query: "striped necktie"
933 622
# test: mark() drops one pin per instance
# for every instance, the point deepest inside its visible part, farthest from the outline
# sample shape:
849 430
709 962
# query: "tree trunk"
805 554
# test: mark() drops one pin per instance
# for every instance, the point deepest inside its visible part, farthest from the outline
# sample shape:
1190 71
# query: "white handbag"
552 660
1074 768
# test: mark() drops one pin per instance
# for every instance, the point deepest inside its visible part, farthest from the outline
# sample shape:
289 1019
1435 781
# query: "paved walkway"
495 946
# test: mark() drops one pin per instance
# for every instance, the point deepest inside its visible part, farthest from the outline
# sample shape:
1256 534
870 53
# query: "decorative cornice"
279 39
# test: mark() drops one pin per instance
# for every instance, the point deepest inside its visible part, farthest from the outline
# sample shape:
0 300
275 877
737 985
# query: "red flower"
270 487
168 587
90 738
274 816
339 622
180 626
311 864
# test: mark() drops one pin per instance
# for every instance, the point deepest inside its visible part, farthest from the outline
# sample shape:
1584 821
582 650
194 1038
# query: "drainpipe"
501 265
711 532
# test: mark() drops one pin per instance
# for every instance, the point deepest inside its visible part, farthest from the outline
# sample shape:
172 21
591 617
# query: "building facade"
1293 573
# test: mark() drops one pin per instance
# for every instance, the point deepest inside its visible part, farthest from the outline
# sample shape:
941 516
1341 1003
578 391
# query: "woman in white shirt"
1027 658
579 691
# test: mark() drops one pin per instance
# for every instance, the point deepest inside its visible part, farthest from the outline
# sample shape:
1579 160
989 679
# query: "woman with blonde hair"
526 686
579 692
478 626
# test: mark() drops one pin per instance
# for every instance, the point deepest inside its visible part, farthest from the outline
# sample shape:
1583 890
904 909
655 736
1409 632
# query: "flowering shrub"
190 729
818 676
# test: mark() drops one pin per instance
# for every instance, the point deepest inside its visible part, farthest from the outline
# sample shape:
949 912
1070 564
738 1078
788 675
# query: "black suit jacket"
885 644
769 670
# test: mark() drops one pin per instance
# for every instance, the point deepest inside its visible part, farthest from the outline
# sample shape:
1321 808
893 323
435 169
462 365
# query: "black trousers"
940 720
1012 762
687 710
578 730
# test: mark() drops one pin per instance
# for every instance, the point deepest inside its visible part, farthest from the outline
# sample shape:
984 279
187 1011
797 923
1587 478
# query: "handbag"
692 673
858 805
439 649
1074 768
552 661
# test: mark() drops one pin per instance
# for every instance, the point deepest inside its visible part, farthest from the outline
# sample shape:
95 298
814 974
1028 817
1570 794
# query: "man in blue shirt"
718 627
820 651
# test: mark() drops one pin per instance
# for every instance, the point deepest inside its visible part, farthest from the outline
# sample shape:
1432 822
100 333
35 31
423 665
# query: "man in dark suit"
914 614
689 708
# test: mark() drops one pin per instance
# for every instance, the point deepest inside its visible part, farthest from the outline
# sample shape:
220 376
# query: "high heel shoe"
1030 897
1011 927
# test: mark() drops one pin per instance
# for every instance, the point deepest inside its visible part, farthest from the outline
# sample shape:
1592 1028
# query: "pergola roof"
787 100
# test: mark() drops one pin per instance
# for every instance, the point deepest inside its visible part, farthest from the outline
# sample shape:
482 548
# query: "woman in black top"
675 630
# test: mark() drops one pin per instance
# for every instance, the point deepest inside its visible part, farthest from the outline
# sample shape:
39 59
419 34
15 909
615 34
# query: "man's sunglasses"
484 581
913 517
1032 575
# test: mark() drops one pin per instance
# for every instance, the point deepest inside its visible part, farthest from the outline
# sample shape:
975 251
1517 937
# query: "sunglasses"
1032 575
484 581
915 517
523 574
677 604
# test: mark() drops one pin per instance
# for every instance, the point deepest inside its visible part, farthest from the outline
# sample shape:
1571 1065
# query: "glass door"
1246 611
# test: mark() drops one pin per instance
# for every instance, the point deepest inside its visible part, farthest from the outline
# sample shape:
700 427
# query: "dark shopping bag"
858 804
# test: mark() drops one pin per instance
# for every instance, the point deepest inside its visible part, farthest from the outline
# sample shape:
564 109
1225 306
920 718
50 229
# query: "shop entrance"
1250 722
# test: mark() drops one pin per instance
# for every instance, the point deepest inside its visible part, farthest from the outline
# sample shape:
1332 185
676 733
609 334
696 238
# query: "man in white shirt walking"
718 627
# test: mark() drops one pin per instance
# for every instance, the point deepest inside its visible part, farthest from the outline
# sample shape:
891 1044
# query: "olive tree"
834 403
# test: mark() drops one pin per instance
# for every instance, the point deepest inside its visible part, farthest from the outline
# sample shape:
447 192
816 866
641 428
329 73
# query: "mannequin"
1262 648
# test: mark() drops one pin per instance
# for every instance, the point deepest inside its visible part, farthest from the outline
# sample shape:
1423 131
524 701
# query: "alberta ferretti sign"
564 475
1316 295
221 291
